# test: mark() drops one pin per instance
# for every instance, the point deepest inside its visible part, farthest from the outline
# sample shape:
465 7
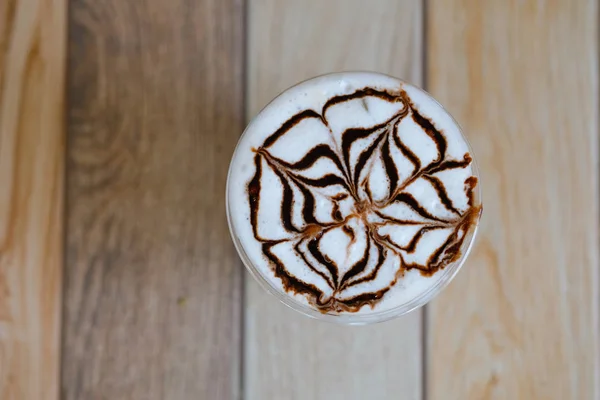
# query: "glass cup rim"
449 272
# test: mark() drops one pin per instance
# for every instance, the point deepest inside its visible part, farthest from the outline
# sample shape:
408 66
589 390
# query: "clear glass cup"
443 276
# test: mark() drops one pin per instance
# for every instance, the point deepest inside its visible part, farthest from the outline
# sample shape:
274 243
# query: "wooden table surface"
118 278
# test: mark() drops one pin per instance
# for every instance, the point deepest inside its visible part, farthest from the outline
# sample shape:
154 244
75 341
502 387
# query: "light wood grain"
32 60
288 356
152 303
521 320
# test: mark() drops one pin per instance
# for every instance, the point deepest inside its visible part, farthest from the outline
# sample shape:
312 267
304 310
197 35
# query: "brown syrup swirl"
305 239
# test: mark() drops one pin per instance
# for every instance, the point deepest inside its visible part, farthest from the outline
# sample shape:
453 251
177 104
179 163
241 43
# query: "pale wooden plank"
521 320
288 356
32 60
153 299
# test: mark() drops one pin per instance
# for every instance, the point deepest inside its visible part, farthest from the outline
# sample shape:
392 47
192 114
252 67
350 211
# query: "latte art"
358 198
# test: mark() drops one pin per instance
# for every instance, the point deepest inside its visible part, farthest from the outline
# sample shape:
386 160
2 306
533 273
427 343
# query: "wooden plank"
288 356
152 303
521 320
32 61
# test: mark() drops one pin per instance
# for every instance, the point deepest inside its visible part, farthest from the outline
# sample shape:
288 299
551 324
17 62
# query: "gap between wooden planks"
32 59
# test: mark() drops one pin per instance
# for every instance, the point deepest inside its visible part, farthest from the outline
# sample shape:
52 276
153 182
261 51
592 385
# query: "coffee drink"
353 193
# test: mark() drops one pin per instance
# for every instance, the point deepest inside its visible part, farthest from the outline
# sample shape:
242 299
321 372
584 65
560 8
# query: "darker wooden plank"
152 290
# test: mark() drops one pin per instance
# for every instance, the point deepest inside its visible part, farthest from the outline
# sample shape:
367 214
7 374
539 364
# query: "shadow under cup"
366 314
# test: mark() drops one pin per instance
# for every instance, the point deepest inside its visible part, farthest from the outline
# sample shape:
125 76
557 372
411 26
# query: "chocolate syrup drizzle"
310 234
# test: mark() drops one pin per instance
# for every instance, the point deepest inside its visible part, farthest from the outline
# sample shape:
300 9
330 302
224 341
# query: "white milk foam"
359 221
